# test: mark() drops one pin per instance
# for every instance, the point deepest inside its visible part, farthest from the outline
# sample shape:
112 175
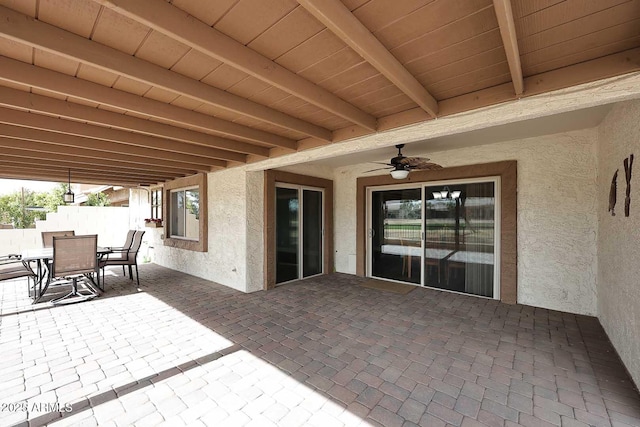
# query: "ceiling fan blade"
421 163
379 169
411 161
426 166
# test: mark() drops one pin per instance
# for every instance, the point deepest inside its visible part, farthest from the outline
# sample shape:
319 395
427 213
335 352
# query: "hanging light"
69 197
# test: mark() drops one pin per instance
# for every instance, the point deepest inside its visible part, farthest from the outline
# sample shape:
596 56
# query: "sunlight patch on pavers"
86 350
233 389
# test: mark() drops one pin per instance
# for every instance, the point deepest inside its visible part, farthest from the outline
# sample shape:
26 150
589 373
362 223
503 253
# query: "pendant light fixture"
69 197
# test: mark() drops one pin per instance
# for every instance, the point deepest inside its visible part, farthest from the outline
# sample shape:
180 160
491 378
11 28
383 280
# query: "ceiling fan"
400 166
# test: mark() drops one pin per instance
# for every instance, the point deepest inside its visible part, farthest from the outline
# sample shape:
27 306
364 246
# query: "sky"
8 186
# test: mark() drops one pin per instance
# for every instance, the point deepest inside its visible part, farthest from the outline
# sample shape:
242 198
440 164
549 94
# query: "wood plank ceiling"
136 92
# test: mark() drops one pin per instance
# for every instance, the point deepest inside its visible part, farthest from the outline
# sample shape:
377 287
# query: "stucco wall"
226 259
619 236
255 227
557 218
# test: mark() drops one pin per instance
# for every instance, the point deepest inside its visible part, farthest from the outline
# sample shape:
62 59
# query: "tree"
97 199
54 198
22 208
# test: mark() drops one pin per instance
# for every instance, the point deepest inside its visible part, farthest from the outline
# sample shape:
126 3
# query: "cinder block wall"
109 223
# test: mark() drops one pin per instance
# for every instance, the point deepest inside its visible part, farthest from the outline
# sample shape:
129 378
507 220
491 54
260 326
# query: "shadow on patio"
323 352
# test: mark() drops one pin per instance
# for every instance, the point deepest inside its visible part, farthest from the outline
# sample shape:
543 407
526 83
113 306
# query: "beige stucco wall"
619 236
255 227
226 260
557 218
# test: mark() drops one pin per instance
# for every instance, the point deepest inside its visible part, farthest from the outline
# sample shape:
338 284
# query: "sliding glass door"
299 232
442 235
395 234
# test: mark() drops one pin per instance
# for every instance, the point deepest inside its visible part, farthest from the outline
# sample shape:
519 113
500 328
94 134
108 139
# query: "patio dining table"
41 257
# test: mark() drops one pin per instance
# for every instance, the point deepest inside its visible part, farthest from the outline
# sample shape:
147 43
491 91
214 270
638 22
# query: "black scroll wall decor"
612 194
628 167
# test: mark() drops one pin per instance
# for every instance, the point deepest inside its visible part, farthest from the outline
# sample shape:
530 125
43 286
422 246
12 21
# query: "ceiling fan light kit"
399 173
402 165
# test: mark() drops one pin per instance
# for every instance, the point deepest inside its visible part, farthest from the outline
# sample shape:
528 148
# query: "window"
156 203
185 213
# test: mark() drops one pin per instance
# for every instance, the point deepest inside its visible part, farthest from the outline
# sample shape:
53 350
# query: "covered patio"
220 116
321 352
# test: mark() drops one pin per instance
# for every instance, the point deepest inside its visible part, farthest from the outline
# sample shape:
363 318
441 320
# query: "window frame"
271 177
184 209
198 181
157 211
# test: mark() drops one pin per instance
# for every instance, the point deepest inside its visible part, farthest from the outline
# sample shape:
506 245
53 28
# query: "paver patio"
320 352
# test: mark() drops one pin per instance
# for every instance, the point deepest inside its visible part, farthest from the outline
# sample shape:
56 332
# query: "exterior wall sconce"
69 197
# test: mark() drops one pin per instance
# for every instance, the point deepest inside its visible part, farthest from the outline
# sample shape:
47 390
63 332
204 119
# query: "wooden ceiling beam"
339 19
32 102
8 157
55 178
100 145
67 127
9 172
76 174
14 71
177 24
510 42
35 152
96 154
25 29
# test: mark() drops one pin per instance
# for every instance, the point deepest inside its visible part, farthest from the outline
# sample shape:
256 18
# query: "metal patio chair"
12 267
47 237
74 258
126 257
121 252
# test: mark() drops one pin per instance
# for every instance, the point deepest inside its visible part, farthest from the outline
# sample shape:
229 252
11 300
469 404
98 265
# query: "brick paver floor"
320 352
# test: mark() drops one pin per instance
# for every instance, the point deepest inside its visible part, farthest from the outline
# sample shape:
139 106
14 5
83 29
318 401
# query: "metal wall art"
628 166
612 194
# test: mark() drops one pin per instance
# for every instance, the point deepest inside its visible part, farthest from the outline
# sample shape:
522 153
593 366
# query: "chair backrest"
129 241
74 255
47 237
135 246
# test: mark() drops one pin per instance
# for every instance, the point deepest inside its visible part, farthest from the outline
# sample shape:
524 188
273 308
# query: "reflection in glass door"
395 234
311 232
460 237
287 237
299 232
